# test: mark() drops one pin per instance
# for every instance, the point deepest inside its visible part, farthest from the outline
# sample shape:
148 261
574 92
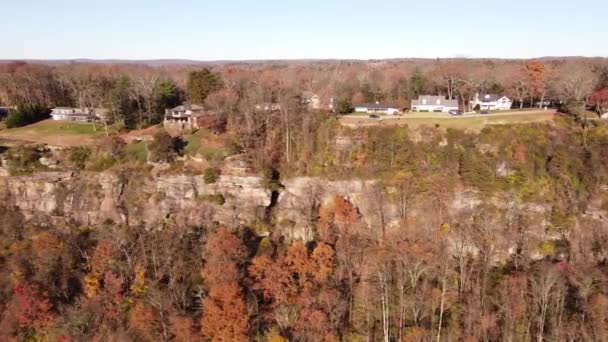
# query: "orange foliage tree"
225 316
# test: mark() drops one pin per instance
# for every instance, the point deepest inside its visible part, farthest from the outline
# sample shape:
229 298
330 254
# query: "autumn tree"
576 82
537 76
165 148
225 316
201 83
29 310
600 99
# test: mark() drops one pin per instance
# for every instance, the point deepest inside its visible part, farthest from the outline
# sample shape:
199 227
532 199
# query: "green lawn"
199 143
137 150
60 127
59 133
444 121
366 114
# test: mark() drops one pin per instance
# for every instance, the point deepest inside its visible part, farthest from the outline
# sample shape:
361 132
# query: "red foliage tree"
143 321
225 314
181 328
313 325
335 218
29 308
600 99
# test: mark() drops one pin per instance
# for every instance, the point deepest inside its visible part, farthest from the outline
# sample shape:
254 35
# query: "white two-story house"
491 102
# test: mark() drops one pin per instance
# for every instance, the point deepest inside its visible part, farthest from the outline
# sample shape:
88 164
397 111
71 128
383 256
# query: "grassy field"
55 133
470 123
366 114
204 143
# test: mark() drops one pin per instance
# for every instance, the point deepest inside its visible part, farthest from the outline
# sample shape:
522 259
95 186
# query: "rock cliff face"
97 198
160 201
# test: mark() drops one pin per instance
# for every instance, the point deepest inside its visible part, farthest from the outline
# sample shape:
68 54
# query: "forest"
412 258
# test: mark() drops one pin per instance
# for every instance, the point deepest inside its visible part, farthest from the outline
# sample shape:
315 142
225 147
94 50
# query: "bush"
113 146
344 106
24 158
27 114
211 175
79 156
136 151
270 179
215 198
102 162
164 148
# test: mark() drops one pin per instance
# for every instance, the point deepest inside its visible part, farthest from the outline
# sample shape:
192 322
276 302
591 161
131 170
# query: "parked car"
374 116
455 112
484 112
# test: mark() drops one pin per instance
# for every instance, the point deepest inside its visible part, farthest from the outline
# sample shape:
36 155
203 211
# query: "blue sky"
275 29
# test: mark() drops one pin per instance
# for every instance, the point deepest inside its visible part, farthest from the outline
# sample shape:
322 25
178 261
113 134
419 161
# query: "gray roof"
188 106
432 100
374 105
489 97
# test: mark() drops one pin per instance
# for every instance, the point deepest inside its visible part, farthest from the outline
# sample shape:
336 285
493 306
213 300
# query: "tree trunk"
443 290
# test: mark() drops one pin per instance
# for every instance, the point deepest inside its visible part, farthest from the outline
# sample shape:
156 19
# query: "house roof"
432 100
73 111
188 106
375 105
66 108
489 97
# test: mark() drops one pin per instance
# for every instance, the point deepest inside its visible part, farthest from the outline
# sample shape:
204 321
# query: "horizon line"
228 60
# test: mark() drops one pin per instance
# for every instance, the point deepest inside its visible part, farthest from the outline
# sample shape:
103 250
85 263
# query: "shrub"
211 175
270 178
27 114
103 162
164 148
24 157
215 198
136 151
113 146
344 106
79 156
546 248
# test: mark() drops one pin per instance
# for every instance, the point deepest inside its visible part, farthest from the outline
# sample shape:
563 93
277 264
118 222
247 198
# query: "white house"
79 114
376 108
491 102
431 103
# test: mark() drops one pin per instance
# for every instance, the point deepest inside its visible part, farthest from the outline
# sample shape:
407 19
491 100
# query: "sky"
312 29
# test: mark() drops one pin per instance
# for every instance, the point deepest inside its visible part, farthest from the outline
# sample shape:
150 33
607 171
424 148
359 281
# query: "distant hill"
191 62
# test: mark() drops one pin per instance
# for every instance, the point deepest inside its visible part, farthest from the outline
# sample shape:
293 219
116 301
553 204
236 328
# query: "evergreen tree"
201 83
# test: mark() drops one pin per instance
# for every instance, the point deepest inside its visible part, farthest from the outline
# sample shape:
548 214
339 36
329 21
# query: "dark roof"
489 97
432 100
375 105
